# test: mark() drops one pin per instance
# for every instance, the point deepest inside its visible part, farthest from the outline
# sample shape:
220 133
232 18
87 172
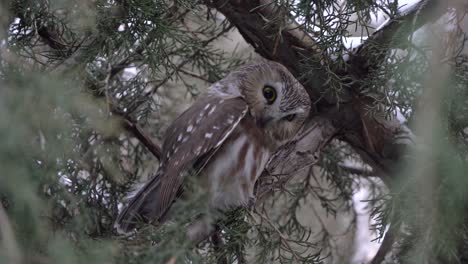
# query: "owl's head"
276 100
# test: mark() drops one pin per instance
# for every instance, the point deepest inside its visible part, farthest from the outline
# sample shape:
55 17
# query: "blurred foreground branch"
7 238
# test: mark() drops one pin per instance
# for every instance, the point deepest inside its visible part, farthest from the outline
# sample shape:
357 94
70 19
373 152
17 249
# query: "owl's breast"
234 169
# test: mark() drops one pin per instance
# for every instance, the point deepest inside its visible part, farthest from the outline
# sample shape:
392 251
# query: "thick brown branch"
262 24
377 138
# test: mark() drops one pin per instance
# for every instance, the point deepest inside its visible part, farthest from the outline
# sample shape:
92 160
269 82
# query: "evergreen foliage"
86 88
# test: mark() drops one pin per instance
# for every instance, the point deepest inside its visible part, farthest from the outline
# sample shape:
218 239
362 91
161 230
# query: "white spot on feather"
231 129
185 139
189 128
197 151
207 106
212 110
208 135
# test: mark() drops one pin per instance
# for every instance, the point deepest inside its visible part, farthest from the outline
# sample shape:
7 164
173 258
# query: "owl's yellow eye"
270 94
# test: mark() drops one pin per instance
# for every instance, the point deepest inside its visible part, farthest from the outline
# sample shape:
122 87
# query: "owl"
226 138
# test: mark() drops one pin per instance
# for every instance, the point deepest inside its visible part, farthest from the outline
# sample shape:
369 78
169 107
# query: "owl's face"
276 100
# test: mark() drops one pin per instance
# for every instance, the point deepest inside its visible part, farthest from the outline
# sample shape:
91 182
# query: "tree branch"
386 246
76 58
296 156
151 144
379 140
358 170
373 51
262 25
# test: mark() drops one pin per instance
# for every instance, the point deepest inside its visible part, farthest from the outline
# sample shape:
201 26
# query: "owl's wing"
192 138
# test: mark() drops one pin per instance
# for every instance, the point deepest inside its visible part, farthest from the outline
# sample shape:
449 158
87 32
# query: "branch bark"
378 139
296 156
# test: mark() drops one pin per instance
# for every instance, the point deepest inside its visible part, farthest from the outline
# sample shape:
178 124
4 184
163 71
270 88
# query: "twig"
151 144
218 244
284 239
125 62
296 157
194 75
189 59
361 171
305 63
365 58
387 244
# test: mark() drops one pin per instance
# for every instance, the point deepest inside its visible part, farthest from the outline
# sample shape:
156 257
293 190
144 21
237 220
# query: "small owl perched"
227 137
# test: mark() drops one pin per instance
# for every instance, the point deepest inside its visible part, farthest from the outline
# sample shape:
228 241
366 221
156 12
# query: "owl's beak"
263 121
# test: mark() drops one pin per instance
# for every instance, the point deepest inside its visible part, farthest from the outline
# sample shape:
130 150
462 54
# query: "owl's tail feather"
139 207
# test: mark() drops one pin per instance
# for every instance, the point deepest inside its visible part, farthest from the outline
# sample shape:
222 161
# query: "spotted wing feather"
192 138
